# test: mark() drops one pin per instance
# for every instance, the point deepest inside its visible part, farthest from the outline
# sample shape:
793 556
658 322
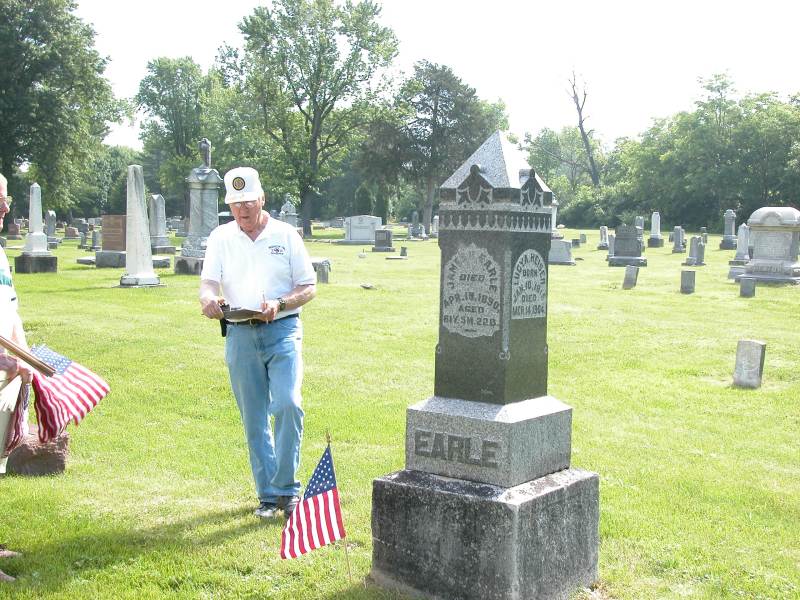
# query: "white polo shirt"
248 271
8 297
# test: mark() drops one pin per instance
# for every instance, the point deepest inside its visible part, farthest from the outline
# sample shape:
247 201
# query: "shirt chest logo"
277 249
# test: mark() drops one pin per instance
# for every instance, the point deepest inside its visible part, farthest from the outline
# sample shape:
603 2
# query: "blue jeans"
265 365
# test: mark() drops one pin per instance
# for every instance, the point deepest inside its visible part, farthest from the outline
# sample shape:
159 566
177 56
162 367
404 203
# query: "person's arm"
300 295
12 365
210 299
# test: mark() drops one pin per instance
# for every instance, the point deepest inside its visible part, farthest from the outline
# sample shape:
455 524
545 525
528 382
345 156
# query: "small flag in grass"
317 519
66 396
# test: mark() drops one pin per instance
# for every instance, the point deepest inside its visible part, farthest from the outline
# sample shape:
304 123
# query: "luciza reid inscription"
456 448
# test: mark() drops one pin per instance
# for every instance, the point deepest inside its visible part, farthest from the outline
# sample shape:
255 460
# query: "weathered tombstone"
360 229
704 235
612 241
671 236
576 242
775 233
603 245
181 227
82 242
560 253
696 256
415 230
627 248
138 258
288 213
749 367
742 252
50 226
204 183
111 255
747 287
640 237
687 282
404 251
631 277
435 227
157 215
729 233
557 235
97 240
14 232
323 271
656 240
36 256
488 506
678 246
383 241
582 238
71 233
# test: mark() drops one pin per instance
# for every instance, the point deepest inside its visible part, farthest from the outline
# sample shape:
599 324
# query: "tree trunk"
579 104
427 211
307 198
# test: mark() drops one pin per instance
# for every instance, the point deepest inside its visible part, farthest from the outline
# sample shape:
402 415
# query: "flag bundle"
19 428
66 396
317 519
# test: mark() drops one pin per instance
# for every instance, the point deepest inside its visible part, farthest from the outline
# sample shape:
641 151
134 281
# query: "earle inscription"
529 287
455 448
471 296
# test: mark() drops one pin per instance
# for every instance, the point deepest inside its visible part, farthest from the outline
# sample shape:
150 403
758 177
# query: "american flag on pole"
66 396
317 519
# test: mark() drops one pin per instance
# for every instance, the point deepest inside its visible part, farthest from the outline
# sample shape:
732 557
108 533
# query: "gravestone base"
162 249
33 457
188 265
354 242
396 258
773 278
52 245
383 249
692 262
31 263
624 261
437 537
138 281
88 261
655 242
728 243
109 259
735 271
13 237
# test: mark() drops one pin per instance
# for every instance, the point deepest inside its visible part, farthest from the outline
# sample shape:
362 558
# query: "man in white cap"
259 263
10 367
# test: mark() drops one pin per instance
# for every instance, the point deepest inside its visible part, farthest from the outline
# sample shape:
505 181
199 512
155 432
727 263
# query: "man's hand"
211 306
13 367
269 310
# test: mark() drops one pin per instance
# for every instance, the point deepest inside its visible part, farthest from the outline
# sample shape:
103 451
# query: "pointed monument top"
501 164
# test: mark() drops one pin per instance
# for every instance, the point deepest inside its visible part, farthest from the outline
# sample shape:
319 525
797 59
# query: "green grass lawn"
700 481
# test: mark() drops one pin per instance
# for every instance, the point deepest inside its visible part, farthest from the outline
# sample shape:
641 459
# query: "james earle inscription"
471 294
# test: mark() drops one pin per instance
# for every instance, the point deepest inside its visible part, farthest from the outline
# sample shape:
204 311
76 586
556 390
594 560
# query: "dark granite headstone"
687 282
627 247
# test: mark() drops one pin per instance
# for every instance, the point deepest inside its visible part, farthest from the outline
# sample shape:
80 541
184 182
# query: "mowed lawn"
700 481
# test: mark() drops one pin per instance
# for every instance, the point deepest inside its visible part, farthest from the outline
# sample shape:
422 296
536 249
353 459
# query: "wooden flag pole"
27 357
346 553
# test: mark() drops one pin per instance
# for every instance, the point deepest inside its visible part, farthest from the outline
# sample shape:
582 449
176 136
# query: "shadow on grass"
52 564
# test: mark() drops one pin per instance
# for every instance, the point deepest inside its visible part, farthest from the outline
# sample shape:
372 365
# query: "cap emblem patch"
238 183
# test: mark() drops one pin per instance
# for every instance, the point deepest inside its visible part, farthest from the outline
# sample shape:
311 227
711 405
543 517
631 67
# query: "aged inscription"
529 287
772 244
455 448
471 296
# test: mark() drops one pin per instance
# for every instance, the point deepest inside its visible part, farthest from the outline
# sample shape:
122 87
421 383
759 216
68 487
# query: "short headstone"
560 253
404 251
631 277
71 233
747 287
627 247
576 242
678 245
582 238
383 241
749 368
323 271
612 242
14 231
687 282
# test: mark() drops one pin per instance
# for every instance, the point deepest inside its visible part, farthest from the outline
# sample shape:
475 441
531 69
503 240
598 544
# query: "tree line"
309 101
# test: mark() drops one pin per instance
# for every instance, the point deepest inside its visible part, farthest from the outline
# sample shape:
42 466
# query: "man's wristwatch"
281 304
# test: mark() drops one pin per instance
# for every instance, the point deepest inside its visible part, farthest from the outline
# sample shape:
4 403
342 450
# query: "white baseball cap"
242 184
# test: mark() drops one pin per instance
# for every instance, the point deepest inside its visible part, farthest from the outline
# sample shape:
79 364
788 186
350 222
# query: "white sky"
640 60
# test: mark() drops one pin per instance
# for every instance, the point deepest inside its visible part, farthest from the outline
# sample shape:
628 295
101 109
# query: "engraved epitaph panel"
529 287
471 298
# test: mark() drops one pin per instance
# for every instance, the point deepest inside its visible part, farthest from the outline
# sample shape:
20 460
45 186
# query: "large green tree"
55 103
310 69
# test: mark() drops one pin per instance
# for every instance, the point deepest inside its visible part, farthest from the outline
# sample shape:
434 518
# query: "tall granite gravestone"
656 240
697 252
729 234
157 216
35 257
603 245
742 252
775 234
627 248
138 258
360 229
678 246
383 241
204 183
488 506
